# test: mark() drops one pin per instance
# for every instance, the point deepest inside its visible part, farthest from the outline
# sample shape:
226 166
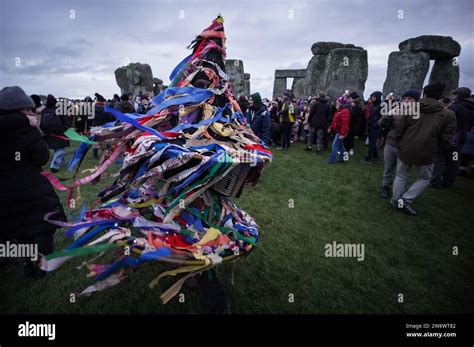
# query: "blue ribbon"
191 95
127 119
78 155
134 262
84 238
179 67
75 228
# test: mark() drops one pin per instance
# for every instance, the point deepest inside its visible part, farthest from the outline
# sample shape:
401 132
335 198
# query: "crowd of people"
436 135
438 140
31 127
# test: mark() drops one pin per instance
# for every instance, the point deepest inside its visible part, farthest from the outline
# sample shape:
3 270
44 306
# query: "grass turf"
301 204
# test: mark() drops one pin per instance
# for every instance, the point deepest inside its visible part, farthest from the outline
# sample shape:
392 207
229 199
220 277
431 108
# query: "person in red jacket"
340 126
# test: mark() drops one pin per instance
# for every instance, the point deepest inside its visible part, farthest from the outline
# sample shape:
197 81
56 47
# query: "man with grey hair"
420 137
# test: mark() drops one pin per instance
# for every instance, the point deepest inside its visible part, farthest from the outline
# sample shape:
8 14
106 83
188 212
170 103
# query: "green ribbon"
74 136
81 251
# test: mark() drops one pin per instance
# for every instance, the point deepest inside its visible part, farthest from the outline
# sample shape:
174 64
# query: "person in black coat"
318 121
125 105
259 118
356 115
25 195
373 127
100 118
275 126
447 162
53 126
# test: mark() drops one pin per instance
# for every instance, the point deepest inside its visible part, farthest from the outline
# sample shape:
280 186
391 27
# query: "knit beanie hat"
434 90
344 100
51 101
36 100
14 98
462 92
377 95
412 93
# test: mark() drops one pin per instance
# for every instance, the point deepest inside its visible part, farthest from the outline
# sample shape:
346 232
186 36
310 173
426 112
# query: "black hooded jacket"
464 109
25 195
319 114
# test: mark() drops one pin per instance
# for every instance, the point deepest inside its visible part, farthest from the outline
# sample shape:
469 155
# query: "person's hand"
329 131
33 120
341 137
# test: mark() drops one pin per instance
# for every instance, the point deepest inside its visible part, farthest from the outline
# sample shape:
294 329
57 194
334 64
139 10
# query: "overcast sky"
44 50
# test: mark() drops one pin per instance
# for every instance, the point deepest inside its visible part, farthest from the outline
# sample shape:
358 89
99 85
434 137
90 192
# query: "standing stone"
134 78
315 79
297 89
323 48
279 86
447 72
234 68
438 47
290 73
347 69
406 70
246 84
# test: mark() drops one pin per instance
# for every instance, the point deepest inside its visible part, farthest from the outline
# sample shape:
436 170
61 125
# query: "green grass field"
403 254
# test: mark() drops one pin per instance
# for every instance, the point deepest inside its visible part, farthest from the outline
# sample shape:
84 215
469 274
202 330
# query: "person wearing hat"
420 137
447 164
373 128
38 108
53 126
125 105
340 127
100 118
25 195
388 123
258 118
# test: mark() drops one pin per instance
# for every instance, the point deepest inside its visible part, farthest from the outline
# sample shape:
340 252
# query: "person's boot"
308 149
96 153
435 184
394 204
385 193
32 270
408 208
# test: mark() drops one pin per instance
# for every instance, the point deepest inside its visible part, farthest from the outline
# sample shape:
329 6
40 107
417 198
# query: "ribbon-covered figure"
182 162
